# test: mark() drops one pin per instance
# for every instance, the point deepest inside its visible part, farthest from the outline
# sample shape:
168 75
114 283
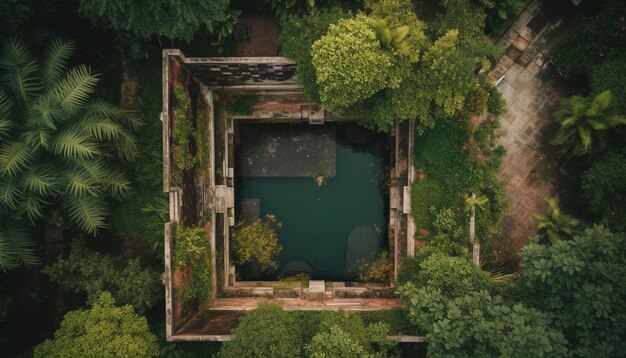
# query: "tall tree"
58 147
581 284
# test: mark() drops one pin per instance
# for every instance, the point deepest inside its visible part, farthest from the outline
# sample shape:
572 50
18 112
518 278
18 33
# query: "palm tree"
57 147
554 225
582 119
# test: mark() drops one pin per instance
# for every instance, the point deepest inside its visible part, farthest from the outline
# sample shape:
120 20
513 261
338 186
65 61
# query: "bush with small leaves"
104 330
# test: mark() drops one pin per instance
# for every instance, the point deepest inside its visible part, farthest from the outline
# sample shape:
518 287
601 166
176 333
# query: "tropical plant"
554 225
57 147
87 271
582 120
376 269
479 202
257 242
267 331
193 251
104 330
480 325
501 11
581 285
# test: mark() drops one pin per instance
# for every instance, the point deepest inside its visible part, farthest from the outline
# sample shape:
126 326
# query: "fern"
16 247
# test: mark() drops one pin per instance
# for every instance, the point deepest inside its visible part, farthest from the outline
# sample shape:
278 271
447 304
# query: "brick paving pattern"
532 89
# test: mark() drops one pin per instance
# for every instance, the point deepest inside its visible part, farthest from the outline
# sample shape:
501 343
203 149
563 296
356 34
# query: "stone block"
520 43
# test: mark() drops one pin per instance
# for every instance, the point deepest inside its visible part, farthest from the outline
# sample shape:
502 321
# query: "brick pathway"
531 88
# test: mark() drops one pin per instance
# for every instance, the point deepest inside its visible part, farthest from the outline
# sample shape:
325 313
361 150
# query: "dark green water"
317 220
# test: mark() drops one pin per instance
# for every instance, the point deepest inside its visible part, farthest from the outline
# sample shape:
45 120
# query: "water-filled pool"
326 230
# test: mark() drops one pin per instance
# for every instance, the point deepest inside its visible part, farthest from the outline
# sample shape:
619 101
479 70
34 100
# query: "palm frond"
45 113
18 71
74 89
17 247
41 180
6 123
31 206
116 184
56 60
14 157
79 182
38 138
88 212
10 193
73 143
101 108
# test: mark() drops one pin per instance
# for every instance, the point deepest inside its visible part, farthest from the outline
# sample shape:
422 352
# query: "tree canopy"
104 330
581 285
175 19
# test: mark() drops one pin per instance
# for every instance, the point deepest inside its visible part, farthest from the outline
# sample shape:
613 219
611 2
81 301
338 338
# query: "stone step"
317 286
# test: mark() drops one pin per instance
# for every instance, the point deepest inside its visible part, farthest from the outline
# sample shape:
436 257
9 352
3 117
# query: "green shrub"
604 187
298 35
423 194
581 284
104 330
408 271
92 273
606 76
257 242
454 276
495 104
267 331
192 250
475 103
165 18
592 41
377 269
350 64
481 325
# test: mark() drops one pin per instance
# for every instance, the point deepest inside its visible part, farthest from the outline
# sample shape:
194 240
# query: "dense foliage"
480 325
581 285
453 276
92 273
583 123
59 148
104 330
173 19
192 252
554 225
454 162
268 331
257 242
297 37
593 40
350 64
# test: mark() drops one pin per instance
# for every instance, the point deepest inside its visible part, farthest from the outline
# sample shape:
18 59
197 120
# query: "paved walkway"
532 89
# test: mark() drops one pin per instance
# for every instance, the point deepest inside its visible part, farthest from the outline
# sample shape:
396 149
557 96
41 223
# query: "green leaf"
74 90
56 60
14 157
89 212
18 69
73 143
17 247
